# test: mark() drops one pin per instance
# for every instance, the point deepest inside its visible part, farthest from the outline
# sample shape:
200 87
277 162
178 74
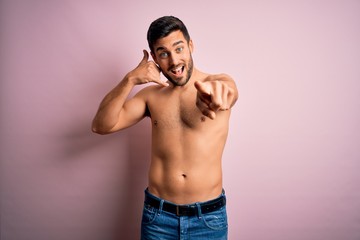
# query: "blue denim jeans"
162 225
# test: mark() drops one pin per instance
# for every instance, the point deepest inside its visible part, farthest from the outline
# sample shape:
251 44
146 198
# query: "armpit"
147 112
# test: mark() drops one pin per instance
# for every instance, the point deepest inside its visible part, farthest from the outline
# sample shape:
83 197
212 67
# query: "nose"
174 60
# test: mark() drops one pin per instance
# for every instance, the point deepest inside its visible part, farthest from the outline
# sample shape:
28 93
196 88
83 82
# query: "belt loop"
161 206
199 210
177 210
224 195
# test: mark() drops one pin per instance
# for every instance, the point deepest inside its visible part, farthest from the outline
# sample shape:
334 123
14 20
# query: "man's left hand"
215 93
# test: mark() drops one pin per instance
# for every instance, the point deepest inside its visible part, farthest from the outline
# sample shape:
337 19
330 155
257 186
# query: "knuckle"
199 103
206 112
231 92
216 104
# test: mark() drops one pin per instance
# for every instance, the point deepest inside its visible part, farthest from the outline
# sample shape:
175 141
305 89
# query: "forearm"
109 110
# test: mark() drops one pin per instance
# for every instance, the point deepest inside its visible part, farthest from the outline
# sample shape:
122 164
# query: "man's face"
173 55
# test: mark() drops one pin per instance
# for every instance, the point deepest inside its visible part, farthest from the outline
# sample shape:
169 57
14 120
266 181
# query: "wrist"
130 79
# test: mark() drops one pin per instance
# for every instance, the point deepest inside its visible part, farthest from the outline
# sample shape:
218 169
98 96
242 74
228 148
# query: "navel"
183 175
155 123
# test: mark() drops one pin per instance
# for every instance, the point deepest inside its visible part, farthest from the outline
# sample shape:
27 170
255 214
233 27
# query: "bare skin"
190 120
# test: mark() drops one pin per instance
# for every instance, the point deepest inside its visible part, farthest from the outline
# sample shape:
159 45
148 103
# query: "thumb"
145 58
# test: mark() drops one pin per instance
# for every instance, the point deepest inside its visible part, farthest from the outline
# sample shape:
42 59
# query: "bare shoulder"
148 90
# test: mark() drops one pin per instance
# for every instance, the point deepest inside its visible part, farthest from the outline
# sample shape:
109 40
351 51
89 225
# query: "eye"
179 49
163 55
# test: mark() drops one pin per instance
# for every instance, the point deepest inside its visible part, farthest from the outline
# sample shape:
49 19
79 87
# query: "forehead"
169 41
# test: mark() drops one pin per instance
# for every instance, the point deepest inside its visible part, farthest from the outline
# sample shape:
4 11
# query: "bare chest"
173 110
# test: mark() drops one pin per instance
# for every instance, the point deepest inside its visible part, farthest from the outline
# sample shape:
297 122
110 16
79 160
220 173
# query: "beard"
181 81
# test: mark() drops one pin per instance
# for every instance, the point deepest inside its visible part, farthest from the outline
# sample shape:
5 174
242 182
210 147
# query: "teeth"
177 70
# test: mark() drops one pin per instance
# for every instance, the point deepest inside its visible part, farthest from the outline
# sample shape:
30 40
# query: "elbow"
98 131
95 128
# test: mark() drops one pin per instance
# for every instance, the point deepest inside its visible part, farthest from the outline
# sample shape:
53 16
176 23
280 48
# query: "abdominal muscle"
185 166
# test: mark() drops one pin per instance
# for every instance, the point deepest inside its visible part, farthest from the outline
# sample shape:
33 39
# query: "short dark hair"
162 27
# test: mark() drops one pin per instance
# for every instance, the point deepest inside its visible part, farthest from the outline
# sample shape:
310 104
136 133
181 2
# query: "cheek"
163 65
186 57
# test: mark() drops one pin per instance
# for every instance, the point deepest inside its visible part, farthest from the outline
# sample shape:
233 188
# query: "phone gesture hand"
147 71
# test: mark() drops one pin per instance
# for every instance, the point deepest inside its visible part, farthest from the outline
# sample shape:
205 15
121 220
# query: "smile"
178 71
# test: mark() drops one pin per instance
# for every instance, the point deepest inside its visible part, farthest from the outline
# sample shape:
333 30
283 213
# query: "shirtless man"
190 119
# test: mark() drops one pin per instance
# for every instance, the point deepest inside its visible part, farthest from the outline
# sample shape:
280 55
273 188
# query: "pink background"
292 159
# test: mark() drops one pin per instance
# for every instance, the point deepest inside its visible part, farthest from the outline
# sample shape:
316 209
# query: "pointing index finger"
202 88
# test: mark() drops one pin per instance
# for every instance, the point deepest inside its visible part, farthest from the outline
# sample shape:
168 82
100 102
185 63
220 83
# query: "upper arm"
134 110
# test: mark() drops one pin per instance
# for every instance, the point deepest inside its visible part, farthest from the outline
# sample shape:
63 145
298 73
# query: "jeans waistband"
187 209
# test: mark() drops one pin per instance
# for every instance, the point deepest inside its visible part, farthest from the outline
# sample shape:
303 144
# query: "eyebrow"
174 44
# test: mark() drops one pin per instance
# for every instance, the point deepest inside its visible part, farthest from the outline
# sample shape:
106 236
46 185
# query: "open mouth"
178 71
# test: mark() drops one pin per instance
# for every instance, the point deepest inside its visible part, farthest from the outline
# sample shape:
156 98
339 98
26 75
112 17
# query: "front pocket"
216 220
149 214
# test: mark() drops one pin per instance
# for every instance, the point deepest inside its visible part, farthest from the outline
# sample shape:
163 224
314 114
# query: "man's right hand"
147 71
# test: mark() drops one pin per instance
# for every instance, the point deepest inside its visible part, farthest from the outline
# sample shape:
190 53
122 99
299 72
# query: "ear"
154 57
191 45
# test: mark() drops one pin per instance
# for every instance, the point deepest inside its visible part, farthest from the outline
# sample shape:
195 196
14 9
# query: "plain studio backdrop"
292 160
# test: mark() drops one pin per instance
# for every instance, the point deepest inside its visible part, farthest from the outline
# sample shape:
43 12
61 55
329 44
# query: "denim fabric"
161 225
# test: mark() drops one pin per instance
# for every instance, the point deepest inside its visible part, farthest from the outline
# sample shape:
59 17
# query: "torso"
187 147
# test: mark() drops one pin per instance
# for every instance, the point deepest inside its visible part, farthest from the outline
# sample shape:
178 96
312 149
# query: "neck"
196 75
